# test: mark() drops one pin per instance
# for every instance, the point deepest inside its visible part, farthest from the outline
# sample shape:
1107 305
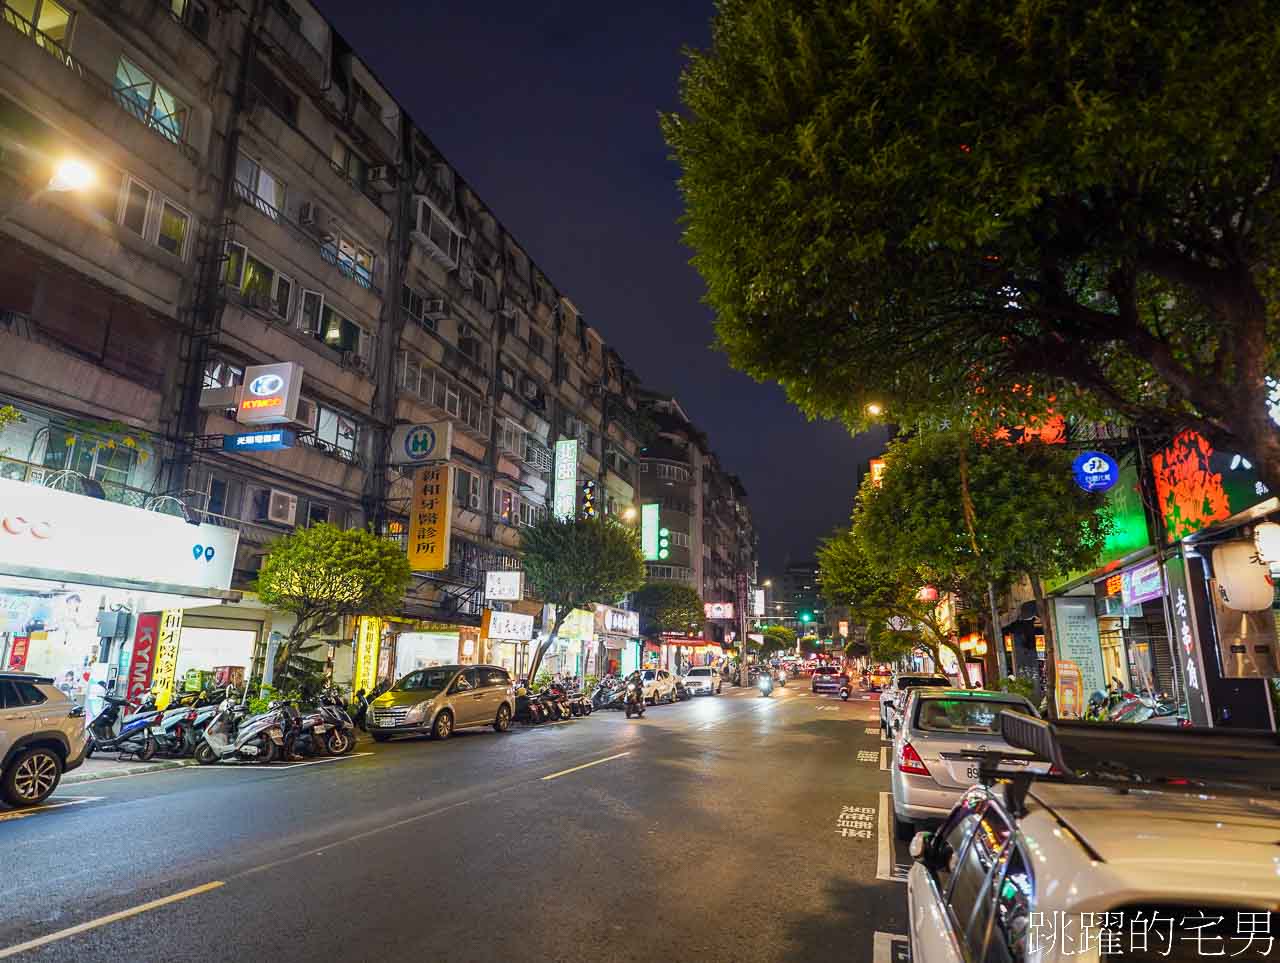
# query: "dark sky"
550 111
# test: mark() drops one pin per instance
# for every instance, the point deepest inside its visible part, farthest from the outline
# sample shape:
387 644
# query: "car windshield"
699 671
423 679
648 675
825 670
964 715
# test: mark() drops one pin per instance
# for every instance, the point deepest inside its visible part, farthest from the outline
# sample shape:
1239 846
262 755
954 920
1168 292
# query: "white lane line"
883 946
884 758
37 810
105 920
585 765
884 842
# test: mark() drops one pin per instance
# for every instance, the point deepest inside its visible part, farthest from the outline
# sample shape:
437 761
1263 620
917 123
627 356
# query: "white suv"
1099 870
703 680
42 735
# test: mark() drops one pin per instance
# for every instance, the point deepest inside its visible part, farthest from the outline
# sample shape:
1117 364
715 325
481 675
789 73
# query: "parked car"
926 785
439 700
703 680
826 678
42 735
1148 873
659 686
894 696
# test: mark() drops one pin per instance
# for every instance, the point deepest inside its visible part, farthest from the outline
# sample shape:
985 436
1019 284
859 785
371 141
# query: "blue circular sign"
267 384
420 443
1095 471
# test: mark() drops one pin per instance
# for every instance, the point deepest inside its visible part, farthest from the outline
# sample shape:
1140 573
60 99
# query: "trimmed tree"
669 607
322 573
777 638
578 561
933 206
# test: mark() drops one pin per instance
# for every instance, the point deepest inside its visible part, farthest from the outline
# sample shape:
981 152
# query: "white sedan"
659 686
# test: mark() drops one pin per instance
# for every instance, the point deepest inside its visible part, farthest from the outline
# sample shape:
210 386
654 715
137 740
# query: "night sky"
550 111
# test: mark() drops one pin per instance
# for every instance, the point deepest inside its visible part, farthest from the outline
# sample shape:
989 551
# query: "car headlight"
417 712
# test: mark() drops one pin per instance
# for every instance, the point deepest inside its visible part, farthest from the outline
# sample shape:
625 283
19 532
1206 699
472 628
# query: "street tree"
777 638
886 597
322 573
577 561
962 513
988 210
669 607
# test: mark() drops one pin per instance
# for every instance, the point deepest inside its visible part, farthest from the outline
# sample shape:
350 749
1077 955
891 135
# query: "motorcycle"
342 734
634 700
845 691
135 737
766 684
609 694
529 708
782 677
230 735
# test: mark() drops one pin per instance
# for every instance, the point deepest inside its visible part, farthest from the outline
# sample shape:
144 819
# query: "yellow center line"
106 920
585 765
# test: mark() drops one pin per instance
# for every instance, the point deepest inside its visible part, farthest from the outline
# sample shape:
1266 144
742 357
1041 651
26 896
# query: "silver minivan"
437 700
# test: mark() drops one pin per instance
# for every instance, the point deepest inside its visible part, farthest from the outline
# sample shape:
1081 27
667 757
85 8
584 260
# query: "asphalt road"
730 827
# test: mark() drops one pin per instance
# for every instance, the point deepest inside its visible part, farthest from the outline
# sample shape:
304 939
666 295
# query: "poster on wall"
1070 702
166 668
143 657
1078 641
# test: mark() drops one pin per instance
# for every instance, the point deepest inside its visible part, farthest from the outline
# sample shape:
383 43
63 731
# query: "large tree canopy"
577 561
991 208
669 607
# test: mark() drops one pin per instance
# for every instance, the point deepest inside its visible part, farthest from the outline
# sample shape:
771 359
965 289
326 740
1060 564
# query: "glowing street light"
875 409
71 174
629 514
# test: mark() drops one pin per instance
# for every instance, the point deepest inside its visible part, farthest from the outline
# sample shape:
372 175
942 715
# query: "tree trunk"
546 643
997 637
1050 648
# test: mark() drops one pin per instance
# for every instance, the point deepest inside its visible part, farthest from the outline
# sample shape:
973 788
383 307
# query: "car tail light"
191 716
910 762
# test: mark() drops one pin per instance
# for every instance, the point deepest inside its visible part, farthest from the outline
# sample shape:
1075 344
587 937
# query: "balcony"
183 37
44 65
293 51
14 469
372 132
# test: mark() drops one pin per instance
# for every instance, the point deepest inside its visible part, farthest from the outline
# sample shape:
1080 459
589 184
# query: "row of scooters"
215 725
559 700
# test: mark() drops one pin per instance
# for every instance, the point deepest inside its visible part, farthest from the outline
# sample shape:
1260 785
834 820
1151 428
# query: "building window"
137 199
103 461
343 334
273 91
672 472
193 14
263 286
317 514
679 539
443 236
537 344
530 513
222 374
644 468
348 163
505 506
468 489
335 433
154 218
415 307
152 104
353 259
50 20
172 233
263 189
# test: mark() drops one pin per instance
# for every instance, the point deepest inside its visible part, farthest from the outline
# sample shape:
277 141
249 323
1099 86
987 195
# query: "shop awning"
30 579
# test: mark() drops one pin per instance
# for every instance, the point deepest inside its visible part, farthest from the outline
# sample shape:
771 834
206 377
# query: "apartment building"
703 507
259 197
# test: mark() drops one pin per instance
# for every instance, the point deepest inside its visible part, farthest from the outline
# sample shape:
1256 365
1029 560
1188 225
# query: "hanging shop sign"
1095 471
757 602
1197 485
1185 648
1142 583
718 610
18 652
142 660
430 520
269 395
368 644
611 621
504 585
564 492
421 444
166 661
510 626
649 525
277 439
63 532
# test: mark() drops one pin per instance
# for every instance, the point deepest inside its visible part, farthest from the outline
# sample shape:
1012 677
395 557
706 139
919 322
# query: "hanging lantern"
1244 579
1266 539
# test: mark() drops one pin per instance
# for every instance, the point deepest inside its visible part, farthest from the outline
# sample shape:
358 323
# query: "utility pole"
744 677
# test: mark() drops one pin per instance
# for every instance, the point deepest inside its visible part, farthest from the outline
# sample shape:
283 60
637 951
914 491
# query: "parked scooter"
230 735
634 700
135 737
529 708
610 693
342 735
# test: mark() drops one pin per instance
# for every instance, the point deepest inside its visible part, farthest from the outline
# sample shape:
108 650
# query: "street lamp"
629 514
71 174
875 409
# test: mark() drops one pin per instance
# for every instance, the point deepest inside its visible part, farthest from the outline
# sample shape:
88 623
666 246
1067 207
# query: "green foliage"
1018 685
542 681
9 415
778 638
669 607
324 572
984 209
577 561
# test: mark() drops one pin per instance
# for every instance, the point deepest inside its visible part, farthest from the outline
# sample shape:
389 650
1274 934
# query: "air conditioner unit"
382 178
311 214
529 388
282 508
308 415
473 499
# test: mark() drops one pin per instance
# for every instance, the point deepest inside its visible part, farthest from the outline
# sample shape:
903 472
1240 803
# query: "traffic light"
664 542
806 617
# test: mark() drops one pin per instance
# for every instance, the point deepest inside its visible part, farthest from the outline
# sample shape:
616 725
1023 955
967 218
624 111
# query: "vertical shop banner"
430 520
166 662
565 491
1078 641
1186 652
142 660
368 642
18 652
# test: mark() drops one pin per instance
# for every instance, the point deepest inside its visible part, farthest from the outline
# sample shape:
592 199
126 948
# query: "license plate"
971 773
317 728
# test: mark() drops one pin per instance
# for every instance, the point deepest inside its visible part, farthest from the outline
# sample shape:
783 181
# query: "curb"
80 776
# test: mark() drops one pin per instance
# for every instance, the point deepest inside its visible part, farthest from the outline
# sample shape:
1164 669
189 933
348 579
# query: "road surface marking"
884 758
827 709
105 920
869 755
37 810
856 822
873 732
885 868
890 948
585 765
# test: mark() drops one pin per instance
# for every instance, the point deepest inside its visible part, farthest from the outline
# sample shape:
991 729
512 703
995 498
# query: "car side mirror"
919 847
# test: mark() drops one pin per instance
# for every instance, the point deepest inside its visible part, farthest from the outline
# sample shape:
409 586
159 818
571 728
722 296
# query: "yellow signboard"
166 671
368 642
430 520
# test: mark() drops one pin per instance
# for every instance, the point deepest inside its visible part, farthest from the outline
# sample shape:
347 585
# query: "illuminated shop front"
618 641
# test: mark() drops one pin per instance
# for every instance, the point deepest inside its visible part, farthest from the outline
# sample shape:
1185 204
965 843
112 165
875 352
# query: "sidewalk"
105 767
